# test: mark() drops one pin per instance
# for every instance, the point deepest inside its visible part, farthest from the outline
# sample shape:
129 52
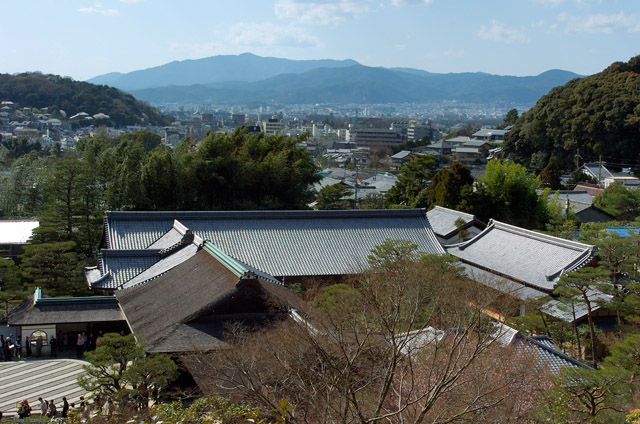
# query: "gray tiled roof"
523 255
123 267
283 243
401 154
179 311
502 284
549 355
595 169
65 310
120 266
580 196
132 234
485 132
162 266
564 310
443 220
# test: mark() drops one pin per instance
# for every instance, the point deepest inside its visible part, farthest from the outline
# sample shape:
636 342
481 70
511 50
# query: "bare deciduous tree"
405 342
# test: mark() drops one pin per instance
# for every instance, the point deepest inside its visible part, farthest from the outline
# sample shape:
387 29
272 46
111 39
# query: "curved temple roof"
535 259
280 243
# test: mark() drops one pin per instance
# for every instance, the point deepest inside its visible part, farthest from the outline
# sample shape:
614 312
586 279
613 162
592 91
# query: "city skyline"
83 39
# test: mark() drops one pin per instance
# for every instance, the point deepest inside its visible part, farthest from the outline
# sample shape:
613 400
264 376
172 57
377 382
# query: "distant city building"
417 132
272 126
490 134
367 136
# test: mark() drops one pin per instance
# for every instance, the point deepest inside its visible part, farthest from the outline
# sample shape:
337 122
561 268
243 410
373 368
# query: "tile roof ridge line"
558 241
274 214
122 285
180 227
130 252
481 234
431 235
227 261
100 280
549 349
574 265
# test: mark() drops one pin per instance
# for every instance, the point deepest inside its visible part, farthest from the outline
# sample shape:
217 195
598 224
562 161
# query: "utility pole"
600 172
356 205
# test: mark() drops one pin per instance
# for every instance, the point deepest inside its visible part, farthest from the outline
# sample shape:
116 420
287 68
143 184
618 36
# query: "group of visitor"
10 348
47 408
85 343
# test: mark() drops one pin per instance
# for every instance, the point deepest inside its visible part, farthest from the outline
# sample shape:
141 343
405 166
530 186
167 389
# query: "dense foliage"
507 192
592 116
69 193
58 93
119 369
413 180
619 201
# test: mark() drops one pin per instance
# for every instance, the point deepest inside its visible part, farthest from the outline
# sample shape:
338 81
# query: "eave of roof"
283 243
523 255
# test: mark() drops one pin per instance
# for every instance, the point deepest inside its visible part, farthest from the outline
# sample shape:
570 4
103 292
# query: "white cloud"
538 24
268 34
400 3
400 47
497 32
549 3
131 1
454 53
259 38
322 12
599 23
99 9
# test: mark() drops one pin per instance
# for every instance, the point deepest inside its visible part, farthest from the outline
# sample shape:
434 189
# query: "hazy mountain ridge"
245 67
349 84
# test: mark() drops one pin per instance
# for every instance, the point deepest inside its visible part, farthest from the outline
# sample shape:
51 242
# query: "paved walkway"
34 378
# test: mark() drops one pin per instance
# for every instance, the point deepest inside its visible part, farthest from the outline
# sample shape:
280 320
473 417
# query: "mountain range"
248 78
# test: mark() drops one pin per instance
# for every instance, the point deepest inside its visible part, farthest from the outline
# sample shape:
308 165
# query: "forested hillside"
592 116
64 94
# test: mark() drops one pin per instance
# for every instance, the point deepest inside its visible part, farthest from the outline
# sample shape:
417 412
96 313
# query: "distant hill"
61 93
349 84
593 116
245 67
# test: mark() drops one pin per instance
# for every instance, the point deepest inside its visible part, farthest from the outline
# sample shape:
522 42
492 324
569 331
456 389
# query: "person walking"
80 346
54 347
6 350
19 347
10 348
24 410
39 344
65 407
52 411
44 406
28 346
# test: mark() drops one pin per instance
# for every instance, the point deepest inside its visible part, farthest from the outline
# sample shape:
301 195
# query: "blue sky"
85 38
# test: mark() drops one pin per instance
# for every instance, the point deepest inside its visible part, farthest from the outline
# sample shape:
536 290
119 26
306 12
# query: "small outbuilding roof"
443 221
534 259
36 310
